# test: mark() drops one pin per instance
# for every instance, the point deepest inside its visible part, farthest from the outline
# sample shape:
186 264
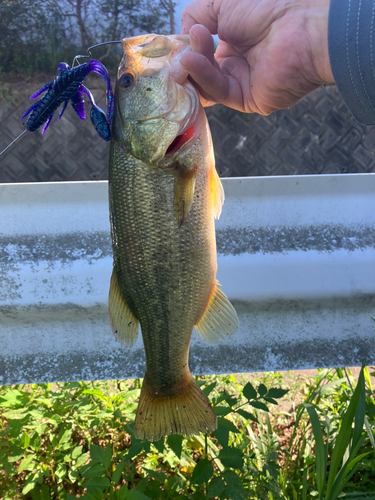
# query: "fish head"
155 102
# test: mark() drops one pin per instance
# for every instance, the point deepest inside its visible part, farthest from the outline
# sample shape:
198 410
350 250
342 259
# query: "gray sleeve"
351 45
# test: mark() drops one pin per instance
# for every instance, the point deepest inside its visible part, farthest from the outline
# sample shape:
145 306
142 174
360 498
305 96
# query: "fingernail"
194 44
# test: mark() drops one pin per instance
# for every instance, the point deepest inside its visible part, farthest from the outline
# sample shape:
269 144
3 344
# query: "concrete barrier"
296 256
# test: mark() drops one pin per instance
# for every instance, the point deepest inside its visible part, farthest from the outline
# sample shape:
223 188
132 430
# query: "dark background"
317 136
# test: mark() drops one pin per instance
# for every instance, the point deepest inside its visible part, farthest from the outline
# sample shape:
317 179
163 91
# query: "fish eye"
126 80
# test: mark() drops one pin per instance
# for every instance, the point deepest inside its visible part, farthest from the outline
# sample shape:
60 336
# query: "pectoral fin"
217 193
219 321
184 185
123 323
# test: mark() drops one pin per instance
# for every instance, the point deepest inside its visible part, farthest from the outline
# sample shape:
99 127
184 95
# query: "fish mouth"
180 141
188 127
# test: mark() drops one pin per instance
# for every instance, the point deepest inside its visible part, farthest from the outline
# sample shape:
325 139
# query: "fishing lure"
68 86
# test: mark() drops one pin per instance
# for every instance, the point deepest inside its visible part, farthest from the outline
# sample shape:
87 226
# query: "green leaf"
159 445
231 457
95 470
271 400
118 471
60 472
207 390
247 415
197 495
25 440
73 474
28 487
136 495
249 392
16 455
76 452
344 435
222 411
160 477
143 484
234 489
35 442
348 471
223 422
95 392
202 472
64 436
16 426
107 456
222 435
13 396
215 487
360 413
27 464
41 493
16 414
259 405
367 379
98 454
81 460
277 393
262 390
134 450
98 483
320 450
175 443
122 493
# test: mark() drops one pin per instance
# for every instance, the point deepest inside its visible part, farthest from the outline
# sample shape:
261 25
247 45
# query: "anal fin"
219 321
123 323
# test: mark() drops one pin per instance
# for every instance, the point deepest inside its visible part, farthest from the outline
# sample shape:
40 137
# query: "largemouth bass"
164 193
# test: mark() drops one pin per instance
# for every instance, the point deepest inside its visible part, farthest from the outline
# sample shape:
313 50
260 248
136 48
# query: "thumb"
200 12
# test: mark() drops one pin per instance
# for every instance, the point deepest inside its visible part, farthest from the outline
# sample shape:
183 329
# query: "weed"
77 440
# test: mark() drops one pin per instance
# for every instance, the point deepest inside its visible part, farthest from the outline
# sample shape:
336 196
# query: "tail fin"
187 413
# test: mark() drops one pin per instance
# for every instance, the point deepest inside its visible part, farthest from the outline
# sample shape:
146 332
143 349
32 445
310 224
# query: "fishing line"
94 47
16 139
73 64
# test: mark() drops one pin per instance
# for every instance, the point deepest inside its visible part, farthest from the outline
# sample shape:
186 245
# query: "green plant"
77 440
345 454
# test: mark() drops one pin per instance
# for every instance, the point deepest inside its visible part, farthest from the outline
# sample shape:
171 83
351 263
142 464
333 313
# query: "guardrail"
296 257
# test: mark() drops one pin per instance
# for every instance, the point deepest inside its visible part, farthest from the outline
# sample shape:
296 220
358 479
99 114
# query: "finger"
200 12
202 42
214 85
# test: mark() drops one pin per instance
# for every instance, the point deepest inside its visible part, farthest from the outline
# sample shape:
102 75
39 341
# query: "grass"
76 440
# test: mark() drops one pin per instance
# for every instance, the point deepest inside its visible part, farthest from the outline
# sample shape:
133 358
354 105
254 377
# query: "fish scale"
162 208
159 267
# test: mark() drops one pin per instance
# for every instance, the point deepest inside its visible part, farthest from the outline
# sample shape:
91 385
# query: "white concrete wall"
296 256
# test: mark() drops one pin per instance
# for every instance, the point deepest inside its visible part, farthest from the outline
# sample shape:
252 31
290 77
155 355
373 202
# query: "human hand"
271 52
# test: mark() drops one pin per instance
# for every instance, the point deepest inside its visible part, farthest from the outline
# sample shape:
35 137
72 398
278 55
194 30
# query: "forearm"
351 38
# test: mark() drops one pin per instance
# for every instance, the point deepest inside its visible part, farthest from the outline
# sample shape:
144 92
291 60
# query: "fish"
164 193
